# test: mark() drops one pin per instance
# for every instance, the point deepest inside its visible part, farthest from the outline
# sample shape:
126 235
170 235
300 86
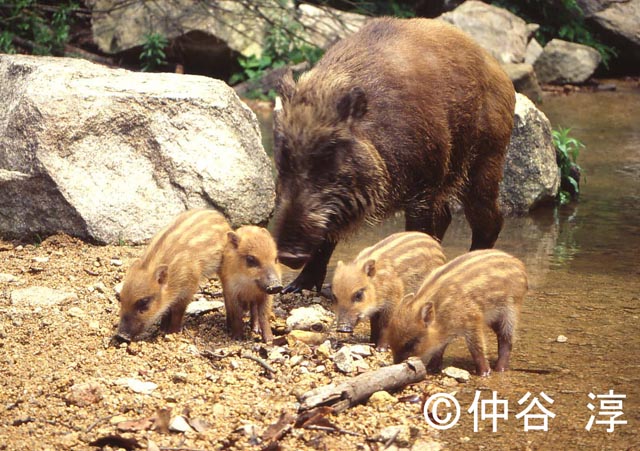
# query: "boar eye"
410 346
358 296
252 262
142 305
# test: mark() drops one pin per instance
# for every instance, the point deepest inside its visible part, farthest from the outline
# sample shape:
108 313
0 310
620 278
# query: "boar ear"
161 274
353 104
234 239
369 268
427 313
287 86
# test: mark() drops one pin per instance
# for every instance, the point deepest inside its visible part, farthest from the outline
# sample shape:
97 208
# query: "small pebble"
561 339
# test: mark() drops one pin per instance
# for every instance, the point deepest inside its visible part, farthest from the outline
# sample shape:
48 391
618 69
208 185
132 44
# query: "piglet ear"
369 268
427 313
161 274
234 239
353 104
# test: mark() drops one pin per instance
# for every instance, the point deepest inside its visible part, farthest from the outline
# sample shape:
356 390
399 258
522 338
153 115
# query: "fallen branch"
257 359
359 388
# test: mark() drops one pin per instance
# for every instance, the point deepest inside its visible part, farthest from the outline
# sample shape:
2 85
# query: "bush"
567 151
283 46
41 28
153 55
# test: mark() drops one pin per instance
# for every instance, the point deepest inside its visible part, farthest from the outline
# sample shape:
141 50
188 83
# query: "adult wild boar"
402 115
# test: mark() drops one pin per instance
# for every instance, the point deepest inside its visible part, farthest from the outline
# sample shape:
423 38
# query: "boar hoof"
117 340
484 373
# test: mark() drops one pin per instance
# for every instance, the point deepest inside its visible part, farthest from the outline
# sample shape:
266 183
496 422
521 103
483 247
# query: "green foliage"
567 151
42 28
283 46
558 19
153 55
383 8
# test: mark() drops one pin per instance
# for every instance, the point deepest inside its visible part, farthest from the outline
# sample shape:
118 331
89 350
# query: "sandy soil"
64 382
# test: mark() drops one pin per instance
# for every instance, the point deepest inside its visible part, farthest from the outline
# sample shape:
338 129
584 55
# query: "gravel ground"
65 384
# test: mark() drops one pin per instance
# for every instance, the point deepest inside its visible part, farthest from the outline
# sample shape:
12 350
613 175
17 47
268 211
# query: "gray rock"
533 51
136 385
398 435
531 174
566 62
7 278
232 26
76 312
457 373
84 394
112 154
524 80
361 350
179 424
202 305
41 297
620 23
325 25
497 30
313 318
344 360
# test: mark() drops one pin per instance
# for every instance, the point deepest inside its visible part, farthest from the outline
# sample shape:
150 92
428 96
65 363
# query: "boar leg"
171 322
263 311
376 327
505 343
435 363
433 221
255 324
314 271
480 202
476 343
234 312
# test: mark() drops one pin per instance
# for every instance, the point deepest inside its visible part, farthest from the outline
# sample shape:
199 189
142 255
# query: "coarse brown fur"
479 288
401 115
250 274
379 277
163 281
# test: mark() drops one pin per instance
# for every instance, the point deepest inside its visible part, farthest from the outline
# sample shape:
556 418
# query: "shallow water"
584 266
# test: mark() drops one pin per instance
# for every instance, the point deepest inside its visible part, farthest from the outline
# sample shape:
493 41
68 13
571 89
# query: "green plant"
41 28
563 19
153 55
567 151
283 46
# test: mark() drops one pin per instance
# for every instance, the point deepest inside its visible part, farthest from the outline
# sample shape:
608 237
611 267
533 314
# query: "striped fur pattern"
479 288
250 274
163 281
380 276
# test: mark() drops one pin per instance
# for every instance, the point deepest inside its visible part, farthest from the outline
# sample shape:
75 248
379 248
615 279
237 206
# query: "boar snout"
345 324
293 260
270 284
274 288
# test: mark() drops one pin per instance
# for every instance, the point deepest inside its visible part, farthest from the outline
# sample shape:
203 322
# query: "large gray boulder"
531 175
620 23
324 25
566 62
107 154
239 26
524 80
497 30
118 26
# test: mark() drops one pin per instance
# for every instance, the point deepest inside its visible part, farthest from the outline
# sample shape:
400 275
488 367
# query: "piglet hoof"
484 373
